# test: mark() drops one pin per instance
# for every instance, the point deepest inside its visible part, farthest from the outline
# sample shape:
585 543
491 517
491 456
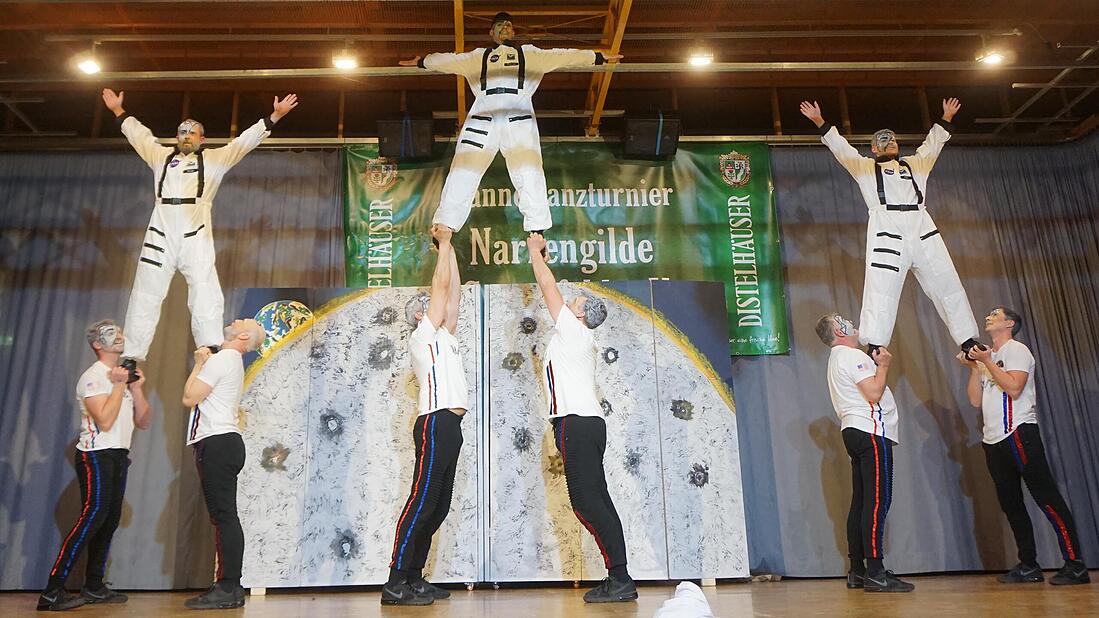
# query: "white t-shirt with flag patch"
569 374
96 381
437 362
1001 415
846 368
217 414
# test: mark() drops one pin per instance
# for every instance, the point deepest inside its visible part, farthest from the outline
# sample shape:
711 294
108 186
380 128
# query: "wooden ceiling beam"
459 47
614 28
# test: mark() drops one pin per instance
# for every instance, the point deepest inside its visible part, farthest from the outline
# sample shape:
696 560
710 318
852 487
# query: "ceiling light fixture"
345 59
701 56
87 62
991 56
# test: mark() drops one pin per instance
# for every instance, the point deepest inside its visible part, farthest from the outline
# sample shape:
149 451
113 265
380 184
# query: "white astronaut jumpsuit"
901 236
179 236
503 79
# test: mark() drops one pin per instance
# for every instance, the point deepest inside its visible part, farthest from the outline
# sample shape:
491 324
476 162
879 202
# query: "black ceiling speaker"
651 135
406 138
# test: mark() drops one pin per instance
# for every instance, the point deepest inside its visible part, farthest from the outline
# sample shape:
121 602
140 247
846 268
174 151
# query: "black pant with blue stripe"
102 478
1021 456
438 440
871 495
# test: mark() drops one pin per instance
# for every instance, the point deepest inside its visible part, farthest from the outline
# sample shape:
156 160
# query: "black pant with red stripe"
102 478
871 496
219 460
582 441
438 440
1021 456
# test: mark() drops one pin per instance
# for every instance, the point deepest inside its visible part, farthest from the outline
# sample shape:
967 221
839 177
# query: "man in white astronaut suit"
179 236
503 78
901 235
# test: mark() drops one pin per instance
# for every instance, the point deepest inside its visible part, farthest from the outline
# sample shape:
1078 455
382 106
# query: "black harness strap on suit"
202 173
521 78
881 183
168 161
484 67
522 66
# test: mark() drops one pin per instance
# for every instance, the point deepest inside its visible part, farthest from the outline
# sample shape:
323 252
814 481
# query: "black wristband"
599 59
122 118
420 63
270 124
825 128
945 124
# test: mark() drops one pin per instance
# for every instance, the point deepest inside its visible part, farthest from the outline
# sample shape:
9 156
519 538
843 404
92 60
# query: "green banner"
707 214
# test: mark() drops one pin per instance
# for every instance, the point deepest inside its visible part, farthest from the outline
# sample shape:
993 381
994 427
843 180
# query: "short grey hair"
595 312
93 330
256 335
826 328
416 304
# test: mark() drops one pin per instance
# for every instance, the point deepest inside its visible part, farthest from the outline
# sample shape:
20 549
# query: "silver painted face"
882 138
185 128
845 326
110 336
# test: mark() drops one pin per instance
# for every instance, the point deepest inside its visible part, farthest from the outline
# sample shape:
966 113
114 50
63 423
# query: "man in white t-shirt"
1001 384
213 392
868 416
437 433
579 430
109 411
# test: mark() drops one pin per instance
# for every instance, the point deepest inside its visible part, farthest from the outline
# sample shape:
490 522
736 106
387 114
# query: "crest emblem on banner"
735 169
380 173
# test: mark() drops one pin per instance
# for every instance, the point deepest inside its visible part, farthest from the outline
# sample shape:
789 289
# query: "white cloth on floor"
689 602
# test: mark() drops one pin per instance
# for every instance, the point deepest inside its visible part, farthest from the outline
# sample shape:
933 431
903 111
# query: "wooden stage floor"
973 596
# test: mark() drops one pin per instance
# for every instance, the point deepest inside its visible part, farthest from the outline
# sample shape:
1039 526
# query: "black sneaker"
1022 574
969 344
855 580
1074 572
103 595
870 349
886 581
404 594
216 598
426 588
130 364
58 601
611 590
